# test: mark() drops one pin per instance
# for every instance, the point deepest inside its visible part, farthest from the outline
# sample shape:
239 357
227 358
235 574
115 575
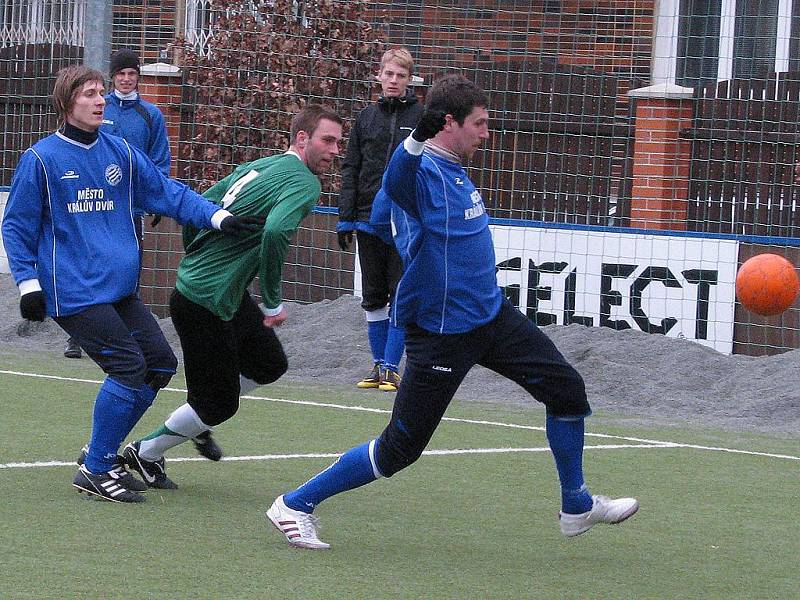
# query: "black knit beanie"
123 59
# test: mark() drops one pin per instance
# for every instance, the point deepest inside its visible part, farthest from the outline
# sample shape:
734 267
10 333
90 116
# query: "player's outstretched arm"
161 195
23 216
400 179
157 194
241 225
430 123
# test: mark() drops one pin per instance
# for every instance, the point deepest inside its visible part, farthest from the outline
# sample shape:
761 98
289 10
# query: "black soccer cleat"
126 479
153 472
82 455
206 446
104 485
73 350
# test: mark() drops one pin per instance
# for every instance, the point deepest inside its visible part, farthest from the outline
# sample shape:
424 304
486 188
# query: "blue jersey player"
455 316
141 123
70 236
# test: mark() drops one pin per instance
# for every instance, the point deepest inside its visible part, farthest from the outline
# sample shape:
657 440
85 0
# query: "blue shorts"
123 338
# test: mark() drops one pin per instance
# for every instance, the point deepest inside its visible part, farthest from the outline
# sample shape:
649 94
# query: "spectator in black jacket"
378 130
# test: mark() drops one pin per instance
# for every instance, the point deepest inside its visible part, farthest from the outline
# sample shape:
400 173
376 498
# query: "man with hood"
378 130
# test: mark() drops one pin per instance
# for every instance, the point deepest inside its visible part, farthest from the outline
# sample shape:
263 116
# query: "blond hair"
399 55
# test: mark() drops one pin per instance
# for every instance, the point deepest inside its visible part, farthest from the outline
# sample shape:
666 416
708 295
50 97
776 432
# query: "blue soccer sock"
377 331
566 442
353 469
113 409
144 400
395 344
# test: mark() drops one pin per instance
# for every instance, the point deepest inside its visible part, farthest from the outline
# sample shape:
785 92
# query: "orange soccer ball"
767 284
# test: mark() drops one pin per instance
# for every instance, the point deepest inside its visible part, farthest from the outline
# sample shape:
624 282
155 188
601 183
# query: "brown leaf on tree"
261 67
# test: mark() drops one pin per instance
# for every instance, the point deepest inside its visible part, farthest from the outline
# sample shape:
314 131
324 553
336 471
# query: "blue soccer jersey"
441 230
141 124
69 219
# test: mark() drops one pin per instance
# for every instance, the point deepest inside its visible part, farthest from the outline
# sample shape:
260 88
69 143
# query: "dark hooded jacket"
378 130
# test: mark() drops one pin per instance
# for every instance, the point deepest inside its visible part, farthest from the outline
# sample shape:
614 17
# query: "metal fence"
744 147
557 72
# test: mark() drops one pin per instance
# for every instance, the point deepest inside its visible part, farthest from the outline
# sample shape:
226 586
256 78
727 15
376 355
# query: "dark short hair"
308 119
455 95
69 82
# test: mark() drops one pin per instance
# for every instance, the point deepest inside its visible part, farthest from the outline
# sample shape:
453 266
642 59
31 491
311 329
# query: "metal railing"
41 22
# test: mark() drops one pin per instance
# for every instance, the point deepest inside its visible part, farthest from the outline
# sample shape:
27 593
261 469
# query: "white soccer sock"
183 422
154 448
377 315
186 422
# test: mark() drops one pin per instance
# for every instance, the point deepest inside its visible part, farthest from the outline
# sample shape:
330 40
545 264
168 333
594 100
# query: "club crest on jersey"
113 174
477 209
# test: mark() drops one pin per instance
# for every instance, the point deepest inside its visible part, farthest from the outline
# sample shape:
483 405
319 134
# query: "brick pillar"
161 84
660 157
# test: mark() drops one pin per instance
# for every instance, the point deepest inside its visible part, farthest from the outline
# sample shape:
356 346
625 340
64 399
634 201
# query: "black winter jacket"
378 130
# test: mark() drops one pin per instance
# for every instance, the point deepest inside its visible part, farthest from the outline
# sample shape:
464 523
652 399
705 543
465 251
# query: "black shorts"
436 364
381 269
216 352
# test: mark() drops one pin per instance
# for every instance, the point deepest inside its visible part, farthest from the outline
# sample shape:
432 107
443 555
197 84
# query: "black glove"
345 239
156 220
430 123
31 306
235 225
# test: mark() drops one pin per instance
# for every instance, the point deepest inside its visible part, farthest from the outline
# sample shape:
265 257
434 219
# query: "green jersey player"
229 345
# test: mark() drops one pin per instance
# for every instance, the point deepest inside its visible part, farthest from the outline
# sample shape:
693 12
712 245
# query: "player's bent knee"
158 380
130 371
220 412
392 458
269 373
571 398
569 406
376 306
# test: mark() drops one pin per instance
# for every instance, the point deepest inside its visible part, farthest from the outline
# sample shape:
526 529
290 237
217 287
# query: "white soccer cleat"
604 510
299 528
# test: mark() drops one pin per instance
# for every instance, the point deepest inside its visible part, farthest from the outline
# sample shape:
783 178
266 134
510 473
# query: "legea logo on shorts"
113 174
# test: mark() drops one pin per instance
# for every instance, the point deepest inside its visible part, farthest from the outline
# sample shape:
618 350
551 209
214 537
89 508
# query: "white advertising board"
678 286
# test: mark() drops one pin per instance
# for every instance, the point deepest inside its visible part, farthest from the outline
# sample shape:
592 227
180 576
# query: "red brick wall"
609 35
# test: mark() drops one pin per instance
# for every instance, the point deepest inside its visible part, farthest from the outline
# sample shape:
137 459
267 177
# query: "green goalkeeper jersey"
218 268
